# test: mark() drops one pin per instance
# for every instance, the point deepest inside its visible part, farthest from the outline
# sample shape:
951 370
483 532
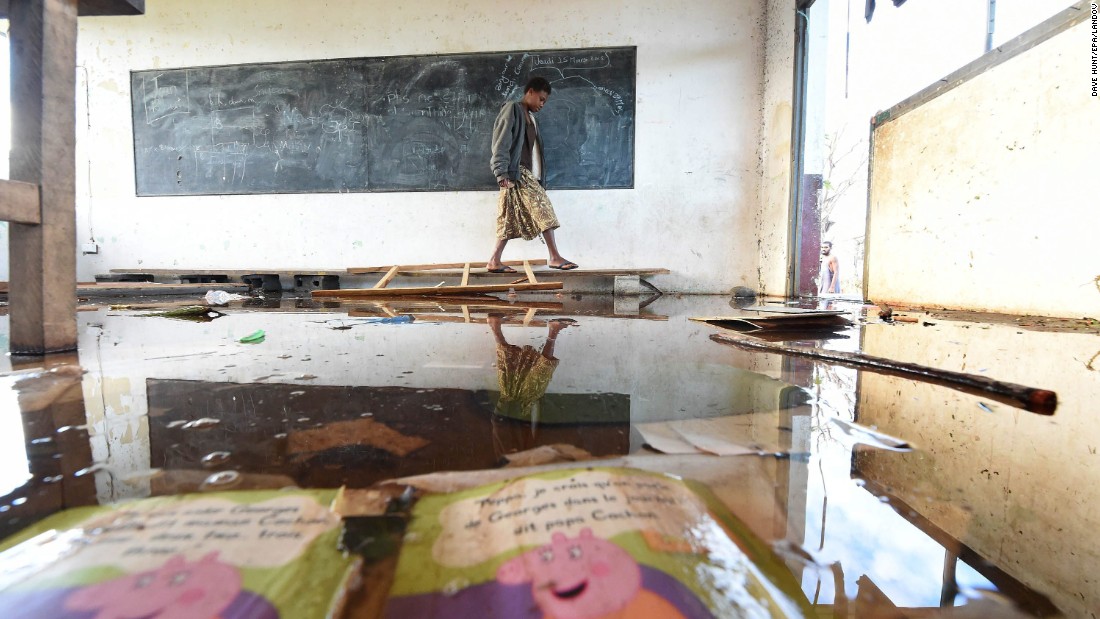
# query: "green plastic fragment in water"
254 338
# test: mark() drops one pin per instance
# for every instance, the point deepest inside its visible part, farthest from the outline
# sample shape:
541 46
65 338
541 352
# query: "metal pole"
991 24
798 145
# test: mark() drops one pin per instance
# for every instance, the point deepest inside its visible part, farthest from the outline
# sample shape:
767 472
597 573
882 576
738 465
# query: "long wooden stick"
1039 401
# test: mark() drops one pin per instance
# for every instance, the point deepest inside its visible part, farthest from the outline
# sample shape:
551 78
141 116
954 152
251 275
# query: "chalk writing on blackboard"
405 123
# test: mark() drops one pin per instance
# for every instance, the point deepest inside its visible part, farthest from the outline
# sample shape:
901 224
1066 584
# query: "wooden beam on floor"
409 268
42 257
480 272
454 303
356 293
136 289
20 202
232 272
507 320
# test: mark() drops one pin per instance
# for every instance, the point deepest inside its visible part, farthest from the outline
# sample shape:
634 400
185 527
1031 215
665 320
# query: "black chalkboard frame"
366 73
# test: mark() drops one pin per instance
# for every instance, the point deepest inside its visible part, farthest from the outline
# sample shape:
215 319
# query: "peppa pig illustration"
179 589
585 577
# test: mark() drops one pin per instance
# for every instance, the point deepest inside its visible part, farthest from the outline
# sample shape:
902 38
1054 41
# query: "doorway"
857 58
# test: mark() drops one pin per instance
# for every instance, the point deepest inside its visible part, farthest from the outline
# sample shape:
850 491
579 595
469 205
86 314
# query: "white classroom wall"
695 207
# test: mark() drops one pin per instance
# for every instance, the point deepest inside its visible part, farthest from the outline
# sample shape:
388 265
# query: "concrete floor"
878 492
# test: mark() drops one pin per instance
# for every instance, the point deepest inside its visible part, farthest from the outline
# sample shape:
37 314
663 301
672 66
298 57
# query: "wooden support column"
42 258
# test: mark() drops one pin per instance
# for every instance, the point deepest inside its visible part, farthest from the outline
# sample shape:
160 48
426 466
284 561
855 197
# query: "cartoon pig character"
584 577
176 590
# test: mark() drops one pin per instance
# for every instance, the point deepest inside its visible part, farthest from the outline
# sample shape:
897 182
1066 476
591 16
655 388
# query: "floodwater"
883 495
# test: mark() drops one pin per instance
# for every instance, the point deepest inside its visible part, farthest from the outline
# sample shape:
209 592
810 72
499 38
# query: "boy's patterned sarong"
524 211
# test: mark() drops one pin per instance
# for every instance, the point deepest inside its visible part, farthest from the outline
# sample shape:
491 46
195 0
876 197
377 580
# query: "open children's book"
584 544
238 555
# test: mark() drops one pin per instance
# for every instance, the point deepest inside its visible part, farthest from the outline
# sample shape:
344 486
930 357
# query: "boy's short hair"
538 84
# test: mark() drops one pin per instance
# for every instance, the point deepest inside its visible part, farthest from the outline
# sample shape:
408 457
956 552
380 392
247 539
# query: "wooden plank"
449 318
387 278
466 313
466 275
136 289
20 202
455 302
43 94
94 8
410 268
406 270
355 293
154 286
530 274
482 273
231 272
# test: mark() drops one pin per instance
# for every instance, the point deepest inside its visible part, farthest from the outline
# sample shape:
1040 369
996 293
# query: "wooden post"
42 258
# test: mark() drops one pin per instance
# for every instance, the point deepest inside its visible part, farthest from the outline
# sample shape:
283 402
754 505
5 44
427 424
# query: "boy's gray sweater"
509 132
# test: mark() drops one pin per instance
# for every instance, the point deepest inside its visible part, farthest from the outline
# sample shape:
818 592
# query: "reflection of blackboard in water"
408 123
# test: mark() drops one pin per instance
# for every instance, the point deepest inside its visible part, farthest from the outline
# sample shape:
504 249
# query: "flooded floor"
878 492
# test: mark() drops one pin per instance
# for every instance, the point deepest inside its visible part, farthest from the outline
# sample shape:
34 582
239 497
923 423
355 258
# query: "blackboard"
399 123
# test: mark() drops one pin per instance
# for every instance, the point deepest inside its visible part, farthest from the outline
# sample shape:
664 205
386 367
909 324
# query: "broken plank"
466 275
387 278
408 268
529 272
354 293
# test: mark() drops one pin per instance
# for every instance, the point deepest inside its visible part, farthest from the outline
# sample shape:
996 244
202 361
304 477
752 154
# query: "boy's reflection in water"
523 375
